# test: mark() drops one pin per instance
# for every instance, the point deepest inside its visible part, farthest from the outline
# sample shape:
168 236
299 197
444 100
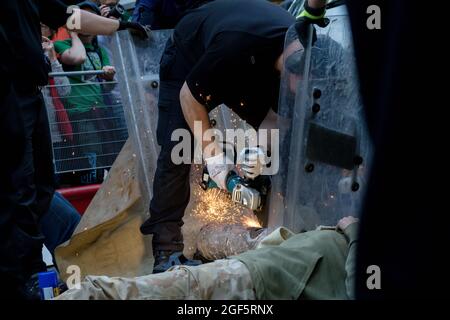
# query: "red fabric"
61 35
80 197
63 121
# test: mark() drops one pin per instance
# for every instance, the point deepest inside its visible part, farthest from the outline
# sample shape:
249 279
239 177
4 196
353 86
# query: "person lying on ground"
310 265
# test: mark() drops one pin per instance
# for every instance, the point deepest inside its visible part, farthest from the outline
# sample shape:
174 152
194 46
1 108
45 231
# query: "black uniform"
26 172
226 52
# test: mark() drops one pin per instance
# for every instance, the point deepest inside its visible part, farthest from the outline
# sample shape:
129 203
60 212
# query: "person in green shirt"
87 92
316 264
82 53
86 107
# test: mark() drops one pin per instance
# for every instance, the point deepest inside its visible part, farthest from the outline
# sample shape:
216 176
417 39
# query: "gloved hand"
136 28
218 169
307 17
253 161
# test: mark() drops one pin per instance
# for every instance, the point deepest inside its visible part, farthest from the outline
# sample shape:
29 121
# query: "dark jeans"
26 185
59 223
34 179
171 189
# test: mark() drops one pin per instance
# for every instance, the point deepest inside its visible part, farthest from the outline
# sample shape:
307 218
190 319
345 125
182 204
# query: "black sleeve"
214 72
53 13
154 8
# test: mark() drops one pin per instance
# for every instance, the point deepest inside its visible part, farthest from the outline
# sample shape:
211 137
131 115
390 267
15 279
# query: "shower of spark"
251 222
215 205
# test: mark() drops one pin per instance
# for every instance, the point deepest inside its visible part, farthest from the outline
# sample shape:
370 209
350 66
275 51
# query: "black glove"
308 17
136 28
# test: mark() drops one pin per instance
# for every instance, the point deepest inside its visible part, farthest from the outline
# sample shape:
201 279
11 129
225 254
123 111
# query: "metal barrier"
87 122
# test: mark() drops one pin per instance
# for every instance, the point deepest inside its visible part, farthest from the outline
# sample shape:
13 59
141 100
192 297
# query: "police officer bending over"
226 51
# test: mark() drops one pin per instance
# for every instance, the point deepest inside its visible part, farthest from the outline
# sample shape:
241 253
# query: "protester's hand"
252 161
309 17
136 28
49 48
109 74
346 221
218 168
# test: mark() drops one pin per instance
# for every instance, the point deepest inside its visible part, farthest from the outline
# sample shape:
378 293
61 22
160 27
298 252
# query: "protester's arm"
349 226
76 54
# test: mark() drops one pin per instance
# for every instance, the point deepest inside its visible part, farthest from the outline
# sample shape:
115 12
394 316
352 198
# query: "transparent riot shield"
138 71
107 240
325 150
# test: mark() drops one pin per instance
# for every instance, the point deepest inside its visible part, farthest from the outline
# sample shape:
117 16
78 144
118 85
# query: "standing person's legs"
171 189
26 188
12 138
34 177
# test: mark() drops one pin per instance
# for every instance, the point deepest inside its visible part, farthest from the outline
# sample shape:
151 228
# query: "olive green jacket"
310 265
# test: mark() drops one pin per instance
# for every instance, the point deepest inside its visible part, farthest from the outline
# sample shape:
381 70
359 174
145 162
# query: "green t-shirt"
86 90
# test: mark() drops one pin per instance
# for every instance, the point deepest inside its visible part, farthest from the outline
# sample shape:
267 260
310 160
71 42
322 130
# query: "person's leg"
33 195
29 200
12 137
222 279
171 189
59 223
44 171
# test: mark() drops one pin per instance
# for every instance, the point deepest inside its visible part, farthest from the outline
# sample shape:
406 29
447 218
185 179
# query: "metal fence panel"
86 121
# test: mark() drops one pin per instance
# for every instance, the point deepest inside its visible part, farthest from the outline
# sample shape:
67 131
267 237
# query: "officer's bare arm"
89 23
195 111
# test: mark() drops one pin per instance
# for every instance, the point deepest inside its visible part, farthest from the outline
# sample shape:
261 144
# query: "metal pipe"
80 84
76 73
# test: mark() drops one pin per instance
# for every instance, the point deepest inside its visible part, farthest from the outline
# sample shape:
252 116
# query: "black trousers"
171 189
26 189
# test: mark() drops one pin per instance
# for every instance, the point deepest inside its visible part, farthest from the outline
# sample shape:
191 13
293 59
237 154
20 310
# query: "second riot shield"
325 149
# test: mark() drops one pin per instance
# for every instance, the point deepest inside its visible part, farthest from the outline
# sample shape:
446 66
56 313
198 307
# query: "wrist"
122 25
53 59
218 158
210 149
351 232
